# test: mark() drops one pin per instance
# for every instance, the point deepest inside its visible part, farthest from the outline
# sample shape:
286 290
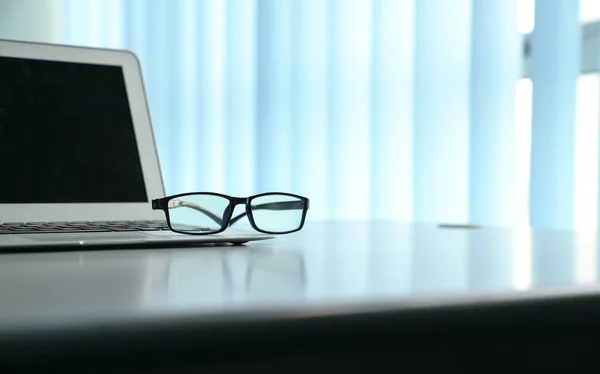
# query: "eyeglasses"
202 213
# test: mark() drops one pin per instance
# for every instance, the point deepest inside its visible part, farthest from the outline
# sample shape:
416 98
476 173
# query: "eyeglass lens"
277 213
200 213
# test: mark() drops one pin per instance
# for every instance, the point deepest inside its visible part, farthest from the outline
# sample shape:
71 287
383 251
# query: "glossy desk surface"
326 270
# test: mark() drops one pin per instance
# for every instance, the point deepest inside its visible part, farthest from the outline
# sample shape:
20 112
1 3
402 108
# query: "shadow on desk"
552 333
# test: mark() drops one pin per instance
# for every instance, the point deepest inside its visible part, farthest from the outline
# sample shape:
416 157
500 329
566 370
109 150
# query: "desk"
347 295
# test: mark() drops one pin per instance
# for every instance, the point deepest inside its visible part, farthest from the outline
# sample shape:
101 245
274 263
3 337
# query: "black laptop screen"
66 134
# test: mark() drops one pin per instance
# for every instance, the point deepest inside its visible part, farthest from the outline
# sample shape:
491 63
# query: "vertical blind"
375 109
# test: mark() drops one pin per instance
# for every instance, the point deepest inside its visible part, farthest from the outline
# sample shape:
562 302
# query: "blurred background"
431 110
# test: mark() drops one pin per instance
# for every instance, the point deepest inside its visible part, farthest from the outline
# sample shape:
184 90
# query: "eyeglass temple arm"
174 203
283 205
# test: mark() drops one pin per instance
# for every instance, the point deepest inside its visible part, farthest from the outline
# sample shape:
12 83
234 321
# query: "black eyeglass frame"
163 204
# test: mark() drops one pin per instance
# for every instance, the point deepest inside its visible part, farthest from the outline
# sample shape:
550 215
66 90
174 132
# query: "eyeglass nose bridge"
233 202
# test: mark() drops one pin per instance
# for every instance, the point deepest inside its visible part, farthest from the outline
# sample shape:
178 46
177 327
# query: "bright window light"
113 18
524 97
586 258
526 16
586 153
521 259
95 15
589 10
586 177
522 252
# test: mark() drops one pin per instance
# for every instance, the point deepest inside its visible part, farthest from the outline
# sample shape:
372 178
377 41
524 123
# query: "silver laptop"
78 162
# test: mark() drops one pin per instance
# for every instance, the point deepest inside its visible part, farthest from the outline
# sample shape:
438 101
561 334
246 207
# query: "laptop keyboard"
81 226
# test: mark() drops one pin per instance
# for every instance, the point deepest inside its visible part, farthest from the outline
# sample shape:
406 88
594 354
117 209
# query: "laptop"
78 161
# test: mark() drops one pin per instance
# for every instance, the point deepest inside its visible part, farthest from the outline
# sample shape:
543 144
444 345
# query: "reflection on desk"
343 287
143 280
401 260
326 262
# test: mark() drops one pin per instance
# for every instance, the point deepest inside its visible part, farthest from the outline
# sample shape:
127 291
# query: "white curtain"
374 109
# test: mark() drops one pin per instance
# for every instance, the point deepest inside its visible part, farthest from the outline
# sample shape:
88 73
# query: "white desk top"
325 267
334 290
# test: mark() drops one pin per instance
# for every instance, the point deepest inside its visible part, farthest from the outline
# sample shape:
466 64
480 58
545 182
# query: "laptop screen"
66 134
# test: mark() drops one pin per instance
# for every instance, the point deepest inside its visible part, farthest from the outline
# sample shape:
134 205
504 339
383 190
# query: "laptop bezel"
132 73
